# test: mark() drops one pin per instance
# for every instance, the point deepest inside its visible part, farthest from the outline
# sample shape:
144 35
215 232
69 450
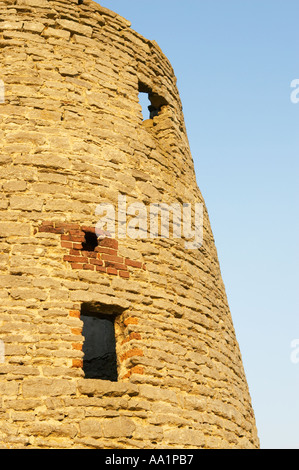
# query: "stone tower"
107 340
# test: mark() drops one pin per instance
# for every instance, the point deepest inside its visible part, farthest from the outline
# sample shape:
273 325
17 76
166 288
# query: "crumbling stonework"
72 136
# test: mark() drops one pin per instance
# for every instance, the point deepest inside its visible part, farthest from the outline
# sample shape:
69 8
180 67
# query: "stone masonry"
72 136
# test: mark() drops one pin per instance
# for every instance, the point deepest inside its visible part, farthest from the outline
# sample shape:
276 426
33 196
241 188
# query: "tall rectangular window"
99 347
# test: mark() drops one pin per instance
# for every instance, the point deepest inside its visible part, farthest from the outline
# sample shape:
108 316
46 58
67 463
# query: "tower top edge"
80 8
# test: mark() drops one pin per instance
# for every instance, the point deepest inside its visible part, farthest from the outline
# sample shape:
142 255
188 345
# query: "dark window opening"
153 111
99 347
91 242
150 102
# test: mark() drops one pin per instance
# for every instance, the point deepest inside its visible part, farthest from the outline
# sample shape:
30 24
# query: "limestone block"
10 229
154 393
11 25
75 27
104 388
194 439
39 387
118 427
53 429
34 3
33 26
91 427
14 186
26 203
149 433
56 33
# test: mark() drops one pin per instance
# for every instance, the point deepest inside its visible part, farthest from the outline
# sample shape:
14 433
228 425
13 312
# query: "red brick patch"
131 353
75 313
131 321
131 337
135 370
105 257
134 264
77 363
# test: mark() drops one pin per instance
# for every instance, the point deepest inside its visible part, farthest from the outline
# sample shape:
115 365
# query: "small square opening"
91 242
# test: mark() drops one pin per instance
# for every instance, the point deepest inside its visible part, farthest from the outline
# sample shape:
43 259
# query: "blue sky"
235 61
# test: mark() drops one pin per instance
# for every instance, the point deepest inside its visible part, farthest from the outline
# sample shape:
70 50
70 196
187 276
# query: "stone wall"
72 136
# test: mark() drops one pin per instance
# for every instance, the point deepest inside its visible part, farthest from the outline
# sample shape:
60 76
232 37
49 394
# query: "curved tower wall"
73 137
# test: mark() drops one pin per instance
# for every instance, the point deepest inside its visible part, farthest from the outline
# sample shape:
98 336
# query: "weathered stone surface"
26 203
101 388
72 136
91 428
195 439
38 387
118 427
8 229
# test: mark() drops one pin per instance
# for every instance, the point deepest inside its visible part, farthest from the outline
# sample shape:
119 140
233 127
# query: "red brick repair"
103 258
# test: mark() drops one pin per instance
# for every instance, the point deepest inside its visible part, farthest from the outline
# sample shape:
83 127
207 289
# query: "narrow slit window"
145 104
99 347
